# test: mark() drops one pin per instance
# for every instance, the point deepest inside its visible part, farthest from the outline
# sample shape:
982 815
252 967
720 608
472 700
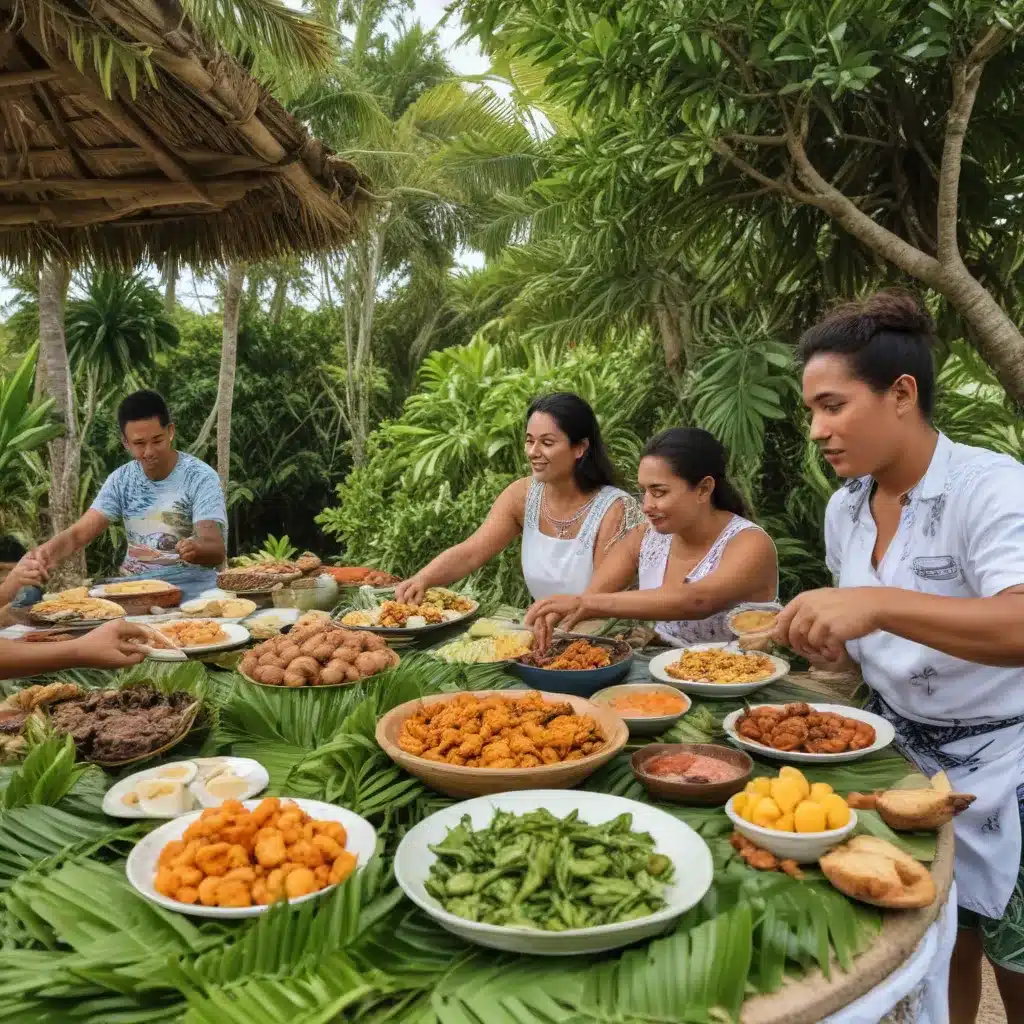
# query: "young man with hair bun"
925 542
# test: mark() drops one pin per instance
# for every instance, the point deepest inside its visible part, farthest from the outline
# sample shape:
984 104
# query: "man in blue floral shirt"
170 504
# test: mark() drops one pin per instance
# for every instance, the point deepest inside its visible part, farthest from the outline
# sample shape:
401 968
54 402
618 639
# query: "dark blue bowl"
579 683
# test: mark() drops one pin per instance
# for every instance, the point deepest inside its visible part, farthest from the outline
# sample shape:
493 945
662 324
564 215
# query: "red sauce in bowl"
697 769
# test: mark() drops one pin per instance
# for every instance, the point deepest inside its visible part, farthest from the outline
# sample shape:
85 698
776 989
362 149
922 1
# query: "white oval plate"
286 616
246 767
408 630
688 852
658 665
236 635
142 861
884 735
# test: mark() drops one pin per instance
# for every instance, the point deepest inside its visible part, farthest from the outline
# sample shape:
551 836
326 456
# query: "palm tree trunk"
170 282
278 300
54 372
228 360
362 269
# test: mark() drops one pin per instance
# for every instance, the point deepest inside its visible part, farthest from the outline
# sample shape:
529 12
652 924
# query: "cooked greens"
535 870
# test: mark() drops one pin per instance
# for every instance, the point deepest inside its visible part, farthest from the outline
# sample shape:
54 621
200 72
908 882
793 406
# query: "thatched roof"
206 165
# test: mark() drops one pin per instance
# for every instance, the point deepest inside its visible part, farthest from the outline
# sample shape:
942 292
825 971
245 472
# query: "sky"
465 59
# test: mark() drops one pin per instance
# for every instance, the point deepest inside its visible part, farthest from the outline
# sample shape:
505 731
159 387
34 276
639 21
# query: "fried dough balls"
318 655
232 857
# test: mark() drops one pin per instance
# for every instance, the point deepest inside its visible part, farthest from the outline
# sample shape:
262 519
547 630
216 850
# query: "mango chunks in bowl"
789 803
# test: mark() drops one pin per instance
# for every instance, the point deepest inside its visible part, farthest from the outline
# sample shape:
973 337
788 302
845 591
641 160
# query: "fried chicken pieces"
233 857
499 732
798 727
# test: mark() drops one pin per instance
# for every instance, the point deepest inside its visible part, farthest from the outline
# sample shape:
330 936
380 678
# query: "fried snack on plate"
718 666
873 871
193 632
76 604
234 857
799 727
136 587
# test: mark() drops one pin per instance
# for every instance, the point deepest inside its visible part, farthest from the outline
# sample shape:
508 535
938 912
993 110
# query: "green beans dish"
536 870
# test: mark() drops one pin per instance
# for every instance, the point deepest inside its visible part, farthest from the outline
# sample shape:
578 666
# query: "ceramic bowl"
643 725
584 682
803 847
672 837
712 794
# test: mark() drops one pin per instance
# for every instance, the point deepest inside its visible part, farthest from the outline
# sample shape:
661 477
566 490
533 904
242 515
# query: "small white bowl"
643 725
803 847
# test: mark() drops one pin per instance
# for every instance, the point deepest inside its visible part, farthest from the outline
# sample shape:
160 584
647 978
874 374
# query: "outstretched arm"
985 630
112 645
502 525
747 572
77 536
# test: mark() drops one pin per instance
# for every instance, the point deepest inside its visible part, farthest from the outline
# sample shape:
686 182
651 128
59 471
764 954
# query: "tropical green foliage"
434 151
795 144
26 425
77 942
116 328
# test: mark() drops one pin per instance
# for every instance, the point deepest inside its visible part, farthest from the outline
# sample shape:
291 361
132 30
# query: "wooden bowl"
453 780
140 604
712 794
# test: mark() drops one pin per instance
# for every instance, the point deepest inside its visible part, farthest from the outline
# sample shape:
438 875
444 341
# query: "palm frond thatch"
128 134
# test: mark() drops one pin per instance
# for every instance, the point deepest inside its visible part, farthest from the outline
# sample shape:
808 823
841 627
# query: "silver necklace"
562 526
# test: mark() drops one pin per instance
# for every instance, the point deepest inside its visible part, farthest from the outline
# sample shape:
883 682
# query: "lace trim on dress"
632 513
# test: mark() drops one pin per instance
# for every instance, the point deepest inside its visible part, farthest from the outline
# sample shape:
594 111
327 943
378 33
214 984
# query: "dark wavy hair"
577 421
886 336
693 454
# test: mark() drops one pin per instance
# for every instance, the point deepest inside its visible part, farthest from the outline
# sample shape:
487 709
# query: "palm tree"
116 327
433 151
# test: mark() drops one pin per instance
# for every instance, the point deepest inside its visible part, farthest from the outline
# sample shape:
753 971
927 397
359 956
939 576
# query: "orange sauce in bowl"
648 704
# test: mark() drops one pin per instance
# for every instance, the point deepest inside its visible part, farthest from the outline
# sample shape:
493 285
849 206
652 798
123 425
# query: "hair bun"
897 310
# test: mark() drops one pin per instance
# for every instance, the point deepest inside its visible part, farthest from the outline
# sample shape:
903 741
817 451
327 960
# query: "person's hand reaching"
29 572
561 610
411 591
113 645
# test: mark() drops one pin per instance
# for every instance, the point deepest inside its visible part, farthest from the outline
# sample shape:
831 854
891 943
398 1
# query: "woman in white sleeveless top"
568 513
698 557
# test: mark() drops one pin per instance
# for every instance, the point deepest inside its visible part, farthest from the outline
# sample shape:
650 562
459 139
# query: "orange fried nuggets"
500 732
232 857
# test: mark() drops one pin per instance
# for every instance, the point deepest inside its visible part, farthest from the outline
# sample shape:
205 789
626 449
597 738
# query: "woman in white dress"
568 512
698 557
